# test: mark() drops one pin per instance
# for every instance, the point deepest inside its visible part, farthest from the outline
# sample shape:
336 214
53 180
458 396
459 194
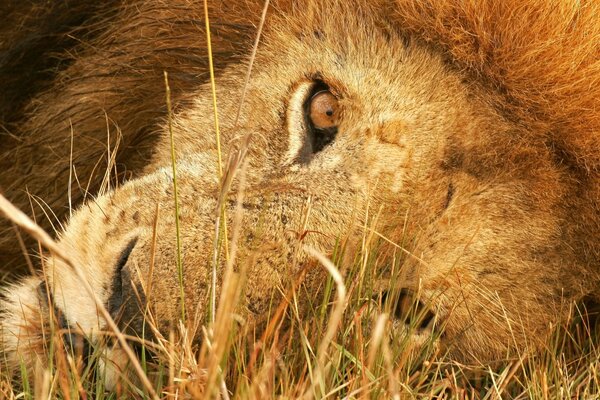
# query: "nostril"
125 254
407 308
115 301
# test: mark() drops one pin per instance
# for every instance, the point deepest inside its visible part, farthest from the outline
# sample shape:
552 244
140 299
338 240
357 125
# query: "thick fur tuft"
542 56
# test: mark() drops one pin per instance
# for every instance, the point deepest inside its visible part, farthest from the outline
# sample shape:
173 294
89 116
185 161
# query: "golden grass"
343 350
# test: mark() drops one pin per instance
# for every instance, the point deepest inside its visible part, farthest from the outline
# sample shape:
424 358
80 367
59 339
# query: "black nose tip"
407 308
126 300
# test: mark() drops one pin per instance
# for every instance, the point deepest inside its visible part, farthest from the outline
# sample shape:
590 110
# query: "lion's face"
337 135
351 138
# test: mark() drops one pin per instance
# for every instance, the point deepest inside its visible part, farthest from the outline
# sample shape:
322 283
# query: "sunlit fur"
472 128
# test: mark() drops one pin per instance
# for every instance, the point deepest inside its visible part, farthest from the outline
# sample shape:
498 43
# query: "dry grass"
345 349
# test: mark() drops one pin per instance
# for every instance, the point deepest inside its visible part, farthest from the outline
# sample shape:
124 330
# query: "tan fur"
471 127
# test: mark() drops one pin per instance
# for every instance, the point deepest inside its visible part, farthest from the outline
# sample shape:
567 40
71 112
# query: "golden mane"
543 56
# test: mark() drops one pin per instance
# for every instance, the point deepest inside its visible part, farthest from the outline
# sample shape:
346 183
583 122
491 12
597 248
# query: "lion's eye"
313 117
323 110
321 115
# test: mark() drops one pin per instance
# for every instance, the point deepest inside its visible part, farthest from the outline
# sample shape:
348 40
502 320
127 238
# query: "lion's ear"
543 57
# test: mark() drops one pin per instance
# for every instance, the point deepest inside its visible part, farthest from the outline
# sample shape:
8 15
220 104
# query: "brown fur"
471 127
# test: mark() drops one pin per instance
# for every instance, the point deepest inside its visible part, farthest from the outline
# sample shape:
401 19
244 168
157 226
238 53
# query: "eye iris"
324 110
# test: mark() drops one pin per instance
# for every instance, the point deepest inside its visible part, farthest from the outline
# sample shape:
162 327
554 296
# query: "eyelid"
295 124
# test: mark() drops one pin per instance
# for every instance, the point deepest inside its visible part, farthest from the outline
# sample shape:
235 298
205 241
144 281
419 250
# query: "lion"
469 129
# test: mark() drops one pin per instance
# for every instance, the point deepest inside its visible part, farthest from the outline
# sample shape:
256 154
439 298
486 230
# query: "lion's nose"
126 299
408 309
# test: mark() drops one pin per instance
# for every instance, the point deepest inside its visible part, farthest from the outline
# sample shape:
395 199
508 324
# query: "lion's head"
433 129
